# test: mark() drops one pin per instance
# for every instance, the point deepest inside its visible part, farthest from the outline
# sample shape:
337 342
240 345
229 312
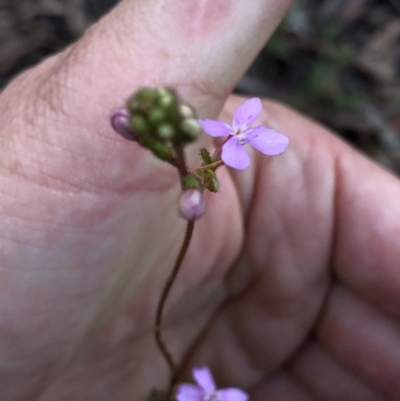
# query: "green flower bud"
139 125
142 100
159 149
157 116
163 152
165 131
167 97
190 128
160 121
186 111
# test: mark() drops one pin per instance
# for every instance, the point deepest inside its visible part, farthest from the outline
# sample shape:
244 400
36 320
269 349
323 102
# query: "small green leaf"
210 180
205 156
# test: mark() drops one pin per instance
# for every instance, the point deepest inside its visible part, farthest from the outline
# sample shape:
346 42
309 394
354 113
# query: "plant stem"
180 163
161 305
216 164
217 154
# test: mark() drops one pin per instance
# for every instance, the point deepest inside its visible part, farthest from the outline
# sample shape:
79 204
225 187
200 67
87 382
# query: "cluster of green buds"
160 121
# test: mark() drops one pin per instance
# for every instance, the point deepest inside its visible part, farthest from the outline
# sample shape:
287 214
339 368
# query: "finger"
280 280
368 233
325 378
363 339
281 387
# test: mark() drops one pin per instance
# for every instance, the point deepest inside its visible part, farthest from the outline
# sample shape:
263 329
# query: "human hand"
89 228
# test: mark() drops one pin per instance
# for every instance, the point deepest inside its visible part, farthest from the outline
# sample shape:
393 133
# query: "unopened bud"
190 128
167 97
191 204
165 131
159 149
157 116
159 120
120 121
143 100
186 111
140 125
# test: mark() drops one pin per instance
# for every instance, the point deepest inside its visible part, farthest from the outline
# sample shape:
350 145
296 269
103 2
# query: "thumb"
201 47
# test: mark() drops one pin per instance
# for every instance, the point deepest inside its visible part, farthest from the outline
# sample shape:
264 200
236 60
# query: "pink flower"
205 389
191 204
265 140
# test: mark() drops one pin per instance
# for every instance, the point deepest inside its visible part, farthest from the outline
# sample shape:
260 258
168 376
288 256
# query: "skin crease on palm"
291 287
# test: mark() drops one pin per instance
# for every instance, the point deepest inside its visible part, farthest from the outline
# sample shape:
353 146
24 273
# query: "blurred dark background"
335 60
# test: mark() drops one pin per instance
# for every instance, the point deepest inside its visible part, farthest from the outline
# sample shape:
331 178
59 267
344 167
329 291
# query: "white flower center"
241 136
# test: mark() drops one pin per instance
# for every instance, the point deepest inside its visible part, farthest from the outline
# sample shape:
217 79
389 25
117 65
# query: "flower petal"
247 114
267 141
232 394
189 392
204 378
215 128
234 154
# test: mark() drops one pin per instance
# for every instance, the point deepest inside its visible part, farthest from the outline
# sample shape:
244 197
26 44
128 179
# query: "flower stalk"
158 325
173 366
160 122
211 166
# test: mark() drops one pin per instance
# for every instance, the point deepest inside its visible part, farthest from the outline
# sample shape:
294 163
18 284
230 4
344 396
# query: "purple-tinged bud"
191 204
120 121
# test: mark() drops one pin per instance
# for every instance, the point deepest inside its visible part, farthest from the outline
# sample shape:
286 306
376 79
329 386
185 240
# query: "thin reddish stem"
218 151
183 170
161 305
